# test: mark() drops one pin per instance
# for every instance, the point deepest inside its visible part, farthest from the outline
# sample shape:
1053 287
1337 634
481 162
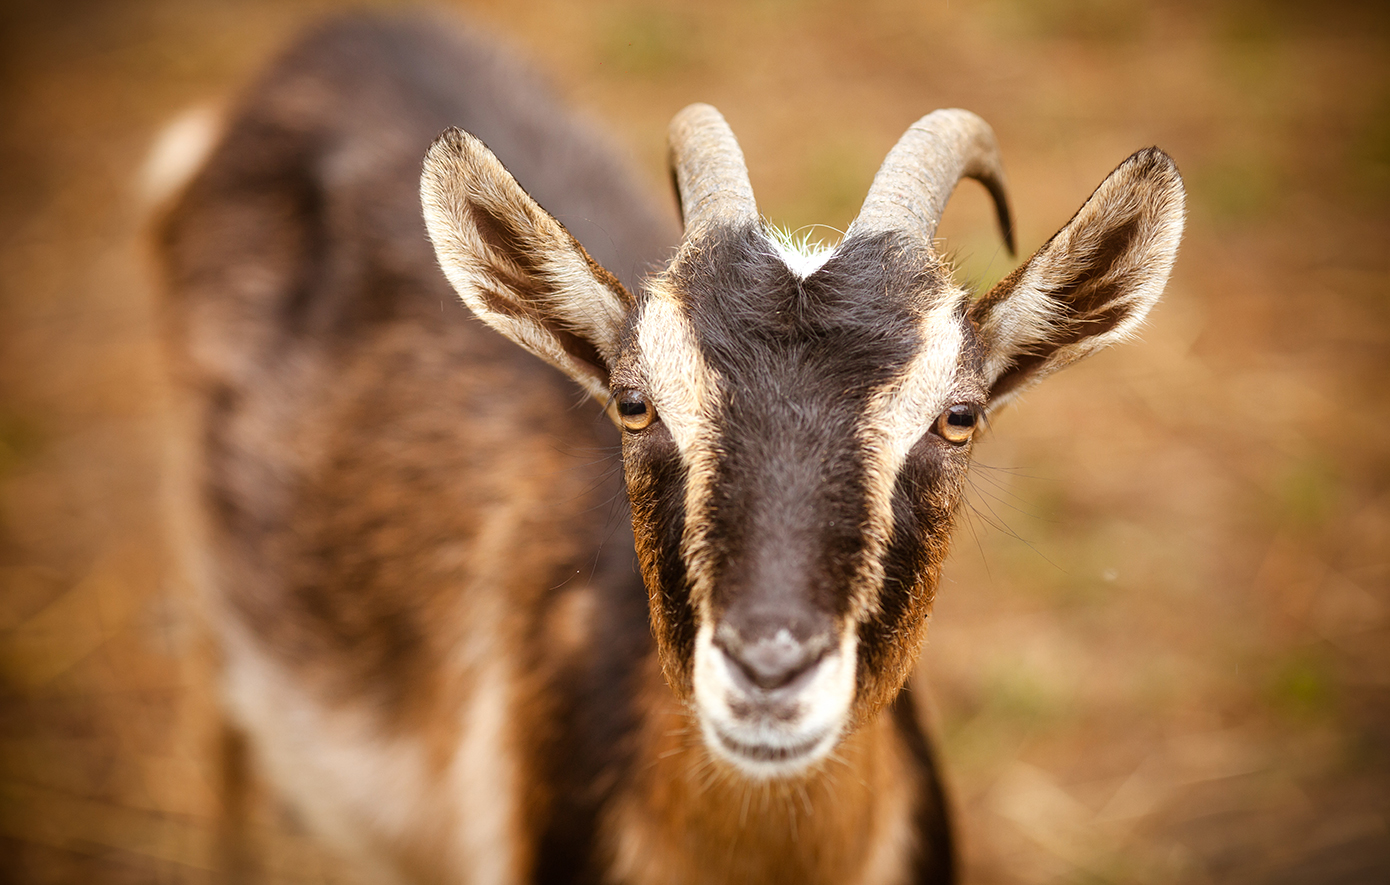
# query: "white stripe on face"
685 392
898 415
682 387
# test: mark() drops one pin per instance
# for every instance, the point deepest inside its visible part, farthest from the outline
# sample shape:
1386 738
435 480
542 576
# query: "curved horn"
910 191
710 173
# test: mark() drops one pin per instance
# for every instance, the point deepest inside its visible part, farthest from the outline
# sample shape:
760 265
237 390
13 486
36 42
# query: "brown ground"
1163 651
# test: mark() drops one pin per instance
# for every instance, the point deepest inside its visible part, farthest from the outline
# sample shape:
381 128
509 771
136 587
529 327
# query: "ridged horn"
910 191
711 176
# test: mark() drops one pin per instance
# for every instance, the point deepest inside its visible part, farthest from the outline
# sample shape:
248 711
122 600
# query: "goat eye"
957 424
634 412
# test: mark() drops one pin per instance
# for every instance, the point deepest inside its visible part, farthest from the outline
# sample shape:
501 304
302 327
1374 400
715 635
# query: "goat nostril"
772 663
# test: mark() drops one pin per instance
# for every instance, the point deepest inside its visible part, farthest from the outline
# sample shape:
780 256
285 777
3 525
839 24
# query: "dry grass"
1163 651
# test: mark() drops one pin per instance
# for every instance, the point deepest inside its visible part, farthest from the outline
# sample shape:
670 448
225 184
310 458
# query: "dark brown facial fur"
798 362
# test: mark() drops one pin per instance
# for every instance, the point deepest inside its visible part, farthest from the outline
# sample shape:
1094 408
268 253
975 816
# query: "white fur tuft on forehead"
802 255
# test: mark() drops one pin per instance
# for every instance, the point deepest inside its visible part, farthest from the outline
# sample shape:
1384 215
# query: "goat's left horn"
910 191
710 172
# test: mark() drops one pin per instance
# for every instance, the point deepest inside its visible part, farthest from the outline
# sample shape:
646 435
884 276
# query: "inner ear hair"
1089 286
516 267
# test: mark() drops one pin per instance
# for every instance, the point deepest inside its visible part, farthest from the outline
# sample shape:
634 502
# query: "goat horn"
710 174
910 191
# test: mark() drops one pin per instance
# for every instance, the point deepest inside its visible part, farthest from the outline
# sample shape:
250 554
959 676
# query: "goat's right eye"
634 411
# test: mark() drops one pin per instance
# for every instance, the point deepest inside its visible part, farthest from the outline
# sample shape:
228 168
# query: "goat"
447 642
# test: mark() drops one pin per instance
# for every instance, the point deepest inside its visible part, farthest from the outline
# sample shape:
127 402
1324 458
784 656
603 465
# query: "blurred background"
1162 650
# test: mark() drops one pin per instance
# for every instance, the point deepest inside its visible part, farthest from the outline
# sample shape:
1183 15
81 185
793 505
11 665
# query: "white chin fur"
768 735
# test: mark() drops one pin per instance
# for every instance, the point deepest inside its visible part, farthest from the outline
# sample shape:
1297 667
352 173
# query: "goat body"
451 643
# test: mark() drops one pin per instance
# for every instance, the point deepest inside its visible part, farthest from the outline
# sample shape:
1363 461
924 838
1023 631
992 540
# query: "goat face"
791 497
796 433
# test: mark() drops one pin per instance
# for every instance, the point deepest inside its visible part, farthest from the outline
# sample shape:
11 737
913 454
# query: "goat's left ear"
517 267
1091 284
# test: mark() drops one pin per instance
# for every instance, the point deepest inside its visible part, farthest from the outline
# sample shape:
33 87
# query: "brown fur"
449 641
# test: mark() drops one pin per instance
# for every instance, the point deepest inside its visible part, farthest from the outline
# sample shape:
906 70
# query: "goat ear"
517 267
1090 285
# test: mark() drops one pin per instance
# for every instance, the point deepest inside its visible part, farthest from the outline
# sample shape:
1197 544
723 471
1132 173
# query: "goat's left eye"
957 424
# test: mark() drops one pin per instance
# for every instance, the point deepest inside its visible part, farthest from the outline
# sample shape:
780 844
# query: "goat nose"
771 662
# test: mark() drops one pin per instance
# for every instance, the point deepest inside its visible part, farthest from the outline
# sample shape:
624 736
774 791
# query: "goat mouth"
770 754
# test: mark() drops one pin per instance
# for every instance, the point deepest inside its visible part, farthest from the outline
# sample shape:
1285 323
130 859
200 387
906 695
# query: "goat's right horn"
709 169
910 191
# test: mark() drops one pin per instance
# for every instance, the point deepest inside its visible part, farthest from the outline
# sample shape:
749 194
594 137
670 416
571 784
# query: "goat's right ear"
1088 286
517 267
